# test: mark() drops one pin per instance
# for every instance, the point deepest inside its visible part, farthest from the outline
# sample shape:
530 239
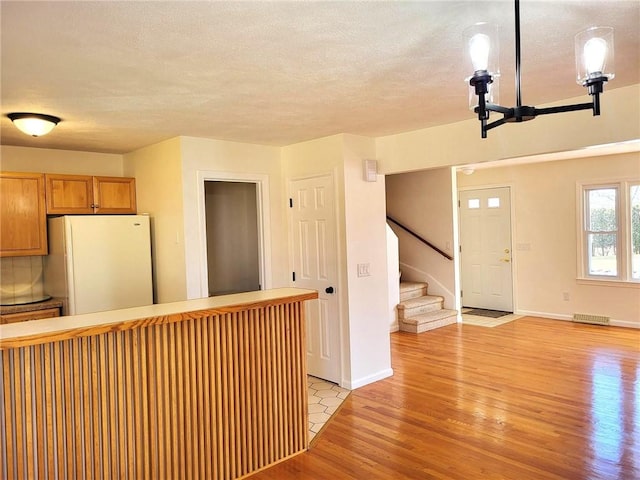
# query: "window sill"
608 283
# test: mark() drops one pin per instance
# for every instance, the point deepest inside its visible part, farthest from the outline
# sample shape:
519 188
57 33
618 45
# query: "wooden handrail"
426 242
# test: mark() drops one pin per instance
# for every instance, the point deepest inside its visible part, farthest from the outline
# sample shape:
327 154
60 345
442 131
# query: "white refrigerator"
99 262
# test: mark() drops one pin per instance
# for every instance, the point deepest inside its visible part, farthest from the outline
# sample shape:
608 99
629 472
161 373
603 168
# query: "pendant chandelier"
594 67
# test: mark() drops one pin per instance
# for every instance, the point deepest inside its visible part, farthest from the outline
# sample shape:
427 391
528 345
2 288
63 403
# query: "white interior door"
315 267
485 241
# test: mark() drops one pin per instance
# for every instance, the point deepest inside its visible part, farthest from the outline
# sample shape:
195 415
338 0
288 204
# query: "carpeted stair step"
410 290
419 305
428 321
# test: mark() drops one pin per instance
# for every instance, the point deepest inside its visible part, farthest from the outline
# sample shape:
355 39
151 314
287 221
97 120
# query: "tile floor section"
324 400
486 321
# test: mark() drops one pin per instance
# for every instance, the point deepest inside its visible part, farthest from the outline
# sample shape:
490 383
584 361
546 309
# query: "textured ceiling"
123 75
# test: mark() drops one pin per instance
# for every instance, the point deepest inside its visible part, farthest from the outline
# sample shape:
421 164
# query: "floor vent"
593 319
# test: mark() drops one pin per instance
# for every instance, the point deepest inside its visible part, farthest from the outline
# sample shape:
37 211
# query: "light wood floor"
532 399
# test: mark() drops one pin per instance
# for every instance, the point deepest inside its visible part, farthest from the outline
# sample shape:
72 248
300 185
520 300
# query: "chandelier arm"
499 108
564 108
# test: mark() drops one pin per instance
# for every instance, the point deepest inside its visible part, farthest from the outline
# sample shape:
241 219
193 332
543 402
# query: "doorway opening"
235 233
233 258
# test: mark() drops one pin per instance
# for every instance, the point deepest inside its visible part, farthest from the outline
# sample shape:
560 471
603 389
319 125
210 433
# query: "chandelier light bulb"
594 55
479 47
595 52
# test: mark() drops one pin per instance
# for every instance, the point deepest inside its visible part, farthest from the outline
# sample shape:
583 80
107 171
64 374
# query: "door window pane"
473 203
634 200
493 202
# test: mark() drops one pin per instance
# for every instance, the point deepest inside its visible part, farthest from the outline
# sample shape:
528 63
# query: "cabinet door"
23 219
114 194
69 194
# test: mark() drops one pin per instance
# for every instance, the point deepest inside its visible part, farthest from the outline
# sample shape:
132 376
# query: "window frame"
624 245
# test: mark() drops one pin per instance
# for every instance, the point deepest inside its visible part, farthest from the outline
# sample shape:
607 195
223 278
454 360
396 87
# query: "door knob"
329 290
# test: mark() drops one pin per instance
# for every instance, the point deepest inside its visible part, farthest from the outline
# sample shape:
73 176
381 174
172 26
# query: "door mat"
481 312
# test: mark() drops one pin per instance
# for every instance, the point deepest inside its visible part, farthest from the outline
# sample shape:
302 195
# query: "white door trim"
264 226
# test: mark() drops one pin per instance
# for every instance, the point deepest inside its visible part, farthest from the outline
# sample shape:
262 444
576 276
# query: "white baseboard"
552 316
568 318
394 327
624 323
361 382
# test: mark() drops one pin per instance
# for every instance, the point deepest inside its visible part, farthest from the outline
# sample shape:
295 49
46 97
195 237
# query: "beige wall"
200 155
423 202
366 243
158 172
25 159
545 236
460 143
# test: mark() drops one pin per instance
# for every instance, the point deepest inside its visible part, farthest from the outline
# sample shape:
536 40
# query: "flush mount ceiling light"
34 124
594 66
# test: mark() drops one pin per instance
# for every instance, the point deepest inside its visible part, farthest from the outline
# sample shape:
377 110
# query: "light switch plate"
363 270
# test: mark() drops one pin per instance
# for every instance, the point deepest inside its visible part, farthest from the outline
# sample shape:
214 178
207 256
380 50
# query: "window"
611 231
493 202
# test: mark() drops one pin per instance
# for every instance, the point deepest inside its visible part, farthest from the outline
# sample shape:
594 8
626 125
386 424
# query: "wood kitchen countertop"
35 332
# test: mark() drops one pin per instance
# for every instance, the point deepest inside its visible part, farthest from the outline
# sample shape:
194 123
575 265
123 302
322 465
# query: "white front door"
485 241
315 267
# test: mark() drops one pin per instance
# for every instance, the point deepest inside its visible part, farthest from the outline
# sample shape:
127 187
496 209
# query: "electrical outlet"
565 296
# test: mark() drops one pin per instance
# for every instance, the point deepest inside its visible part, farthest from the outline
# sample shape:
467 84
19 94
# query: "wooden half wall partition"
205 389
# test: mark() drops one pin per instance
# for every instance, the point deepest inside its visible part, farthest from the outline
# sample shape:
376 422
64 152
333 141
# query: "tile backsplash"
21 277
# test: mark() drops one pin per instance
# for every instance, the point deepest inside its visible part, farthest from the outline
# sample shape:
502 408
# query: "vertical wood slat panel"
7 412
215 397
119 350
39 403
49 407
104 438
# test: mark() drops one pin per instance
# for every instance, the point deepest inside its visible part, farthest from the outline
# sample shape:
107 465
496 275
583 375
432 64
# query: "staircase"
419 312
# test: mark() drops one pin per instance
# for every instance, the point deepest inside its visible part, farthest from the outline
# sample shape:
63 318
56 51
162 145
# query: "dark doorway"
232 237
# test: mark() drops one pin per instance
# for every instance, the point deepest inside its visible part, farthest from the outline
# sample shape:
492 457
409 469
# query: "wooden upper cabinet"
23 218
85 194
114 194
69 194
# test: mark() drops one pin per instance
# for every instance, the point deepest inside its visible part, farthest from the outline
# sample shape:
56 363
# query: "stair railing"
426 242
